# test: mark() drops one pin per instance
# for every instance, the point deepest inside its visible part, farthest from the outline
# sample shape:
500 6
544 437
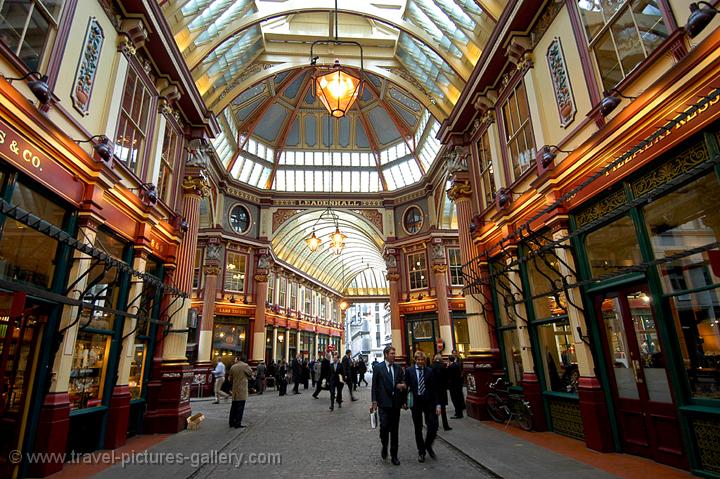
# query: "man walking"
296 366
322 373
347 366
439 370
240 373
362 369
335 382
421 383
455 385
388 396
219 375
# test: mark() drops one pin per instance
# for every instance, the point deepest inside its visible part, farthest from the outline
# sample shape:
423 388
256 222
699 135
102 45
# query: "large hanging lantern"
337 241
337 89
313 242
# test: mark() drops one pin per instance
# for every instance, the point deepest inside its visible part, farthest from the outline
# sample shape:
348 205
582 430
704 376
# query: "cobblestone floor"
311 441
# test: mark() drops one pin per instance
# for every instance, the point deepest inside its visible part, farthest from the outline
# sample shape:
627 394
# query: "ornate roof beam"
374 146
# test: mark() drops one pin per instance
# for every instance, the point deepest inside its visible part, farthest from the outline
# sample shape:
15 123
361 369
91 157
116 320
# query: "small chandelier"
336 88
336 239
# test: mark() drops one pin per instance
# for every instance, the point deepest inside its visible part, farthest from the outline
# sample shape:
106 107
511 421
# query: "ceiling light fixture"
336 88
337 238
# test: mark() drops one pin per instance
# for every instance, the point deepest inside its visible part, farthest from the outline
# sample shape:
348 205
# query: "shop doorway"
421 336
646 414
21 327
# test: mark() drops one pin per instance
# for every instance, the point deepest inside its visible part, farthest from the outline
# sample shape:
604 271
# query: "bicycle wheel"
524 419
495 409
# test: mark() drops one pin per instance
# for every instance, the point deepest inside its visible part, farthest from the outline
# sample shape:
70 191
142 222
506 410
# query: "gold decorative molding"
281 216
439 268
460 190
196 185
393 276
211 269
601 208
373 216
261 277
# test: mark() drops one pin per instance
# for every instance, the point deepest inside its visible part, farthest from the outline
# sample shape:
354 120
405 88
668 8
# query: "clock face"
239 219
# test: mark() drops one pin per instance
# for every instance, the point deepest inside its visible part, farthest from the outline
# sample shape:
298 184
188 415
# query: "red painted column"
202 369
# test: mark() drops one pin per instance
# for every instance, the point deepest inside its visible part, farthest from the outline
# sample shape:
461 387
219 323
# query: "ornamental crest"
87 67
561 83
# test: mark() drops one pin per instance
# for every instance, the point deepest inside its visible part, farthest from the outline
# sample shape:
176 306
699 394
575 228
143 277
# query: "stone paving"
312 441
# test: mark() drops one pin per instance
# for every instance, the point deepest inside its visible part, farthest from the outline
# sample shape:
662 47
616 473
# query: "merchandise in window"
519 141
137 370
621 34
87 374
229 339
28 26
133 122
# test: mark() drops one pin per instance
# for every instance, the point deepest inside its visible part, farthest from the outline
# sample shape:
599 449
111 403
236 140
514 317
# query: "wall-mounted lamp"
549 154
148 194
39 86
699 17
610 101
104 147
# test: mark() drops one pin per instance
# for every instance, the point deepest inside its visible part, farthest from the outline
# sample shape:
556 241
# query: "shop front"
230 338
421 333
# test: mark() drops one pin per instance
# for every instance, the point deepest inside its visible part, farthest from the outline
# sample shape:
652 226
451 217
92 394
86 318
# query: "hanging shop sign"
25 156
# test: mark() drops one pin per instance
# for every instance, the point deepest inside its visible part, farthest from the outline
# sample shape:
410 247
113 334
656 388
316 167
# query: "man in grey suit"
388 396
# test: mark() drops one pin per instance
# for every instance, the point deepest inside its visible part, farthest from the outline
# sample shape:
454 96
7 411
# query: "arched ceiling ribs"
285 129
245 130
400 124
383 16
374 146
439 108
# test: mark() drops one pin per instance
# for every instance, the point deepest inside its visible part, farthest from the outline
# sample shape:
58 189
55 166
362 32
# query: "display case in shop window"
88 370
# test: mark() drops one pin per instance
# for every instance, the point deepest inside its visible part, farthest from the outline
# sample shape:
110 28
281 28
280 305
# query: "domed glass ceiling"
250 61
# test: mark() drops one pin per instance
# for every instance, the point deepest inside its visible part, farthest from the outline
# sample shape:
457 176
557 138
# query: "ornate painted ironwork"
561 83
87 66
600 209
707 437
691 157
566 418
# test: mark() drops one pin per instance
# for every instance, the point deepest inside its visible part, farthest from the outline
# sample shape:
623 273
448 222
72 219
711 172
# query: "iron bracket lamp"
39 86
148 193
611 100
337 239
549 153
701 14
103 147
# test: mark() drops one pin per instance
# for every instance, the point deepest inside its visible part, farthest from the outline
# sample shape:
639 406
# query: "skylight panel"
384 157
235 172
346 181
289 180
355 178
279 183
247 169
319 180
255 175
264 177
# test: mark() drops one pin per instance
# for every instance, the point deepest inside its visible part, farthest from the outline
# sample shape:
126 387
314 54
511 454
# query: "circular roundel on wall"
412 219
239 219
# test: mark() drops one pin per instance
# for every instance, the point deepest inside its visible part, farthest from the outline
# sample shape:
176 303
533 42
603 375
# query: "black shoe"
430 452
339 405
383 453
456 417
354 399
421 457
395 461
332 408
314 396
216 402
242 425
447 428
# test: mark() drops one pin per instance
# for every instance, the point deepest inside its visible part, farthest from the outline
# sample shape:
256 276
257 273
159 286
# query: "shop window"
486 170
27 27
544 278
558 357
462 335
281 338
235 272
229 339
137 370
621 34
135 115
684 219
519 141
455 267
418 270
239 219
308 302
27 255
170 154
613 247
323 307
511 348
412 220
89 365
293 296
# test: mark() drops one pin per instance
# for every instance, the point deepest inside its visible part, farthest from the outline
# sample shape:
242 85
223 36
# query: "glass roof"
358 270
250 61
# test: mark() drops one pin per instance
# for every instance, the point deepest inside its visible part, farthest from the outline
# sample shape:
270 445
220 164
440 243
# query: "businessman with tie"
335 382
422 384
388 396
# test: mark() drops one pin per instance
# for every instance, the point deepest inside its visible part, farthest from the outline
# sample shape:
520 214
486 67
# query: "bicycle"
504 406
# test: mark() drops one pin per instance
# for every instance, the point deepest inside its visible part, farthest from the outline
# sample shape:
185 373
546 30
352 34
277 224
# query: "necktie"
392 376
421 383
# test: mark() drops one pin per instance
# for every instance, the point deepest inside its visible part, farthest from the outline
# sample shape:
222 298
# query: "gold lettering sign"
18 150
330 203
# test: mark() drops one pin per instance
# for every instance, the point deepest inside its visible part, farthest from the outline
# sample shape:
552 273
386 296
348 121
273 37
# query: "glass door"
421 337
644 406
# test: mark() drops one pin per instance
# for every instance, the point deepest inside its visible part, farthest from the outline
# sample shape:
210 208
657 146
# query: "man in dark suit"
440 372
348 375
388 396
422 384
455 385
335 382
296 366
324 376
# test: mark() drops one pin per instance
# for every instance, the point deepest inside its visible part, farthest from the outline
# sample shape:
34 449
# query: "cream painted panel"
681 11
104 86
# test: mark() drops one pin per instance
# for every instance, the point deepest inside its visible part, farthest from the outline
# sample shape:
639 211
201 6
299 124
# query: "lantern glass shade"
313 242
338 91
337 241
